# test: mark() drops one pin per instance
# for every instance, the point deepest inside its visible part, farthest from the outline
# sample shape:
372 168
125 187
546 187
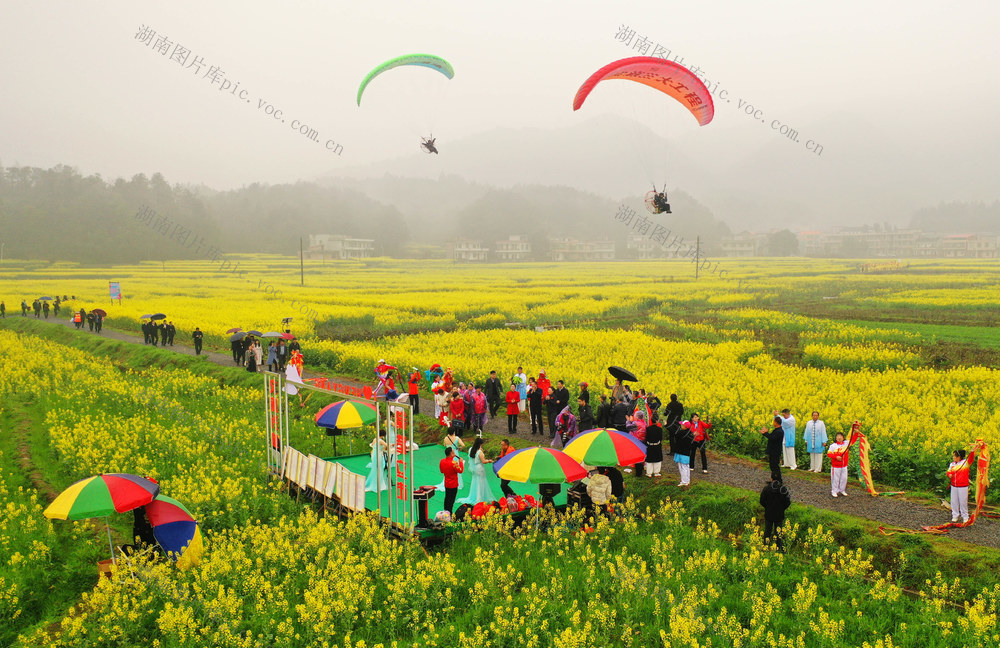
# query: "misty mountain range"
566 182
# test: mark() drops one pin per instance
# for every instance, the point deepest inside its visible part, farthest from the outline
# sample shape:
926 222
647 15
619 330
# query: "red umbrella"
287 336
235 329
100 311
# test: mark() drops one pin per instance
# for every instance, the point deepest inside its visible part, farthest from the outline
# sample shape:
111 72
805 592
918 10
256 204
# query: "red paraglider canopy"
665 76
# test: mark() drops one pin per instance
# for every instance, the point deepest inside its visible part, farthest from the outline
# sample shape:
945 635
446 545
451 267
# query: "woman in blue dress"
378 476
479 490
455 442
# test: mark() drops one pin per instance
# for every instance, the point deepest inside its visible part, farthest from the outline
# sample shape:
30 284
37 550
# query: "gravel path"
807 488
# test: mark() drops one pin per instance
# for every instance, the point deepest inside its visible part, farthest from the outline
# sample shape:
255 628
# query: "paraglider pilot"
428 145
660 202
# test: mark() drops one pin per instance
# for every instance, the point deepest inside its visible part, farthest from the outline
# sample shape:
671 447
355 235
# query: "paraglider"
427 144
667 77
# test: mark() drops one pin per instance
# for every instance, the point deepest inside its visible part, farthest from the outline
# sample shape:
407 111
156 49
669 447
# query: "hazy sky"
78 88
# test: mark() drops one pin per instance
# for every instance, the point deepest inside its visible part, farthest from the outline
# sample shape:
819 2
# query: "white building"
469 251
515 248
334 246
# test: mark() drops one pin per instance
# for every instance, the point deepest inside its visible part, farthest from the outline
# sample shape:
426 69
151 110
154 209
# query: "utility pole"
697 255
302 264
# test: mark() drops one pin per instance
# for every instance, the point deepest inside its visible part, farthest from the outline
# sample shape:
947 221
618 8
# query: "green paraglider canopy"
423 60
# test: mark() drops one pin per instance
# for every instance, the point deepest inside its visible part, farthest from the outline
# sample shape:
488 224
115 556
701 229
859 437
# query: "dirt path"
732 471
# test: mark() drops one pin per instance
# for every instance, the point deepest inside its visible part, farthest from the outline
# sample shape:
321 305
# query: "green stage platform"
426 473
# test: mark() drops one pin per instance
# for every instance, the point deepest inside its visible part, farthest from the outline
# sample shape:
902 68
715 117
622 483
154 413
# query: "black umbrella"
623 375
255 332
44 299
158 316
236 337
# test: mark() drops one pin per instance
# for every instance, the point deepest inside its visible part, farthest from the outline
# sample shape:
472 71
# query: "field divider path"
723 469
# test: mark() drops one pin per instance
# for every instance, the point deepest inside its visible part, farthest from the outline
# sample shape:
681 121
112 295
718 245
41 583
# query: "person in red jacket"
699 429
457 409
513 400
958 473
450 466
543 383
413 389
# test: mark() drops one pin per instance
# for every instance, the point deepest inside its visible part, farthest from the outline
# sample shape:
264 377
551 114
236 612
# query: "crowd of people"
41 306
158 333
248 352
464 409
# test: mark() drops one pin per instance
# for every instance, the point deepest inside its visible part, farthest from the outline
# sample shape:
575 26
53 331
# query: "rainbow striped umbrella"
102 495
606 447
175 529
539 466
346 414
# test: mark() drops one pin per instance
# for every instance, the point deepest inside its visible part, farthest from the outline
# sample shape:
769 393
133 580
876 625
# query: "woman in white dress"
378 476
479 490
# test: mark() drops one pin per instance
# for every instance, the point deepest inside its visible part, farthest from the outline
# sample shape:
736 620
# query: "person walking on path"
197 336
456 409
699 429
788 426
566 427
958 474
775 498
815 436
839 453
494 393
272 356
413 389
585 415
480 407
451 467
654 446
522 387
682 453
440 401
170 331
535 399
98 322
282 352
45 309
258 353
552 408
513 400
619 414
775 439
603 418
